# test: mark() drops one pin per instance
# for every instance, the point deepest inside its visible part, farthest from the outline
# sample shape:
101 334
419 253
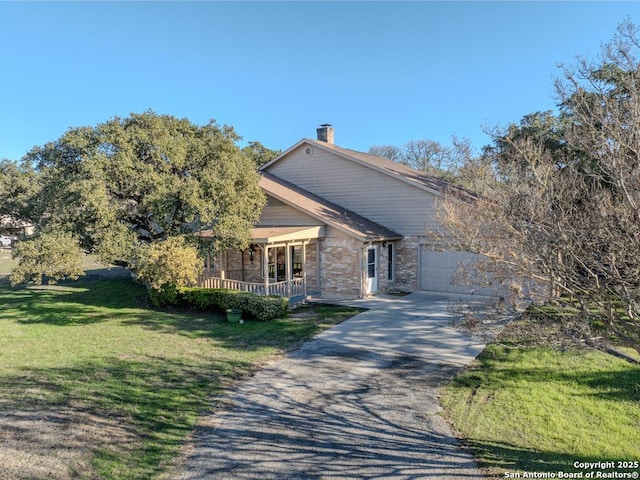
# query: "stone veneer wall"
406 274
341 267
252 270
311 264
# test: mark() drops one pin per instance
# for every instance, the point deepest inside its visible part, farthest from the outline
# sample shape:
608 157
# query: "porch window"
296 261
390 262
277 264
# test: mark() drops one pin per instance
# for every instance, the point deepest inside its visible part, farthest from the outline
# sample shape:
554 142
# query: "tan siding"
403 208
278 213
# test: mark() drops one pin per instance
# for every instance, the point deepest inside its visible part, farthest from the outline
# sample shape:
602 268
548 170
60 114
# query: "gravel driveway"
357 402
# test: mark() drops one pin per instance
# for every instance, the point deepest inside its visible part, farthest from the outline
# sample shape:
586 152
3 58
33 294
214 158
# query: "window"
371 263
296 261
390 262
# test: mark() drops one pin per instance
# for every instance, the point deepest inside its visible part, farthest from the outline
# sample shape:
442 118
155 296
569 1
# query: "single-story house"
342 223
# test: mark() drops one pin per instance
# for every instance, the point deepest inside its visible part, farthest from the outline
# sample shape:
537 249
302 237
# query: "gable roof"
397 170
334 215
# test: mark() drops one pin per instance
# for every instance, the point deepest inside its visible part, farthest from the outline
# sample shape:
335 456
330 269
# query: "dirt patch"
56 444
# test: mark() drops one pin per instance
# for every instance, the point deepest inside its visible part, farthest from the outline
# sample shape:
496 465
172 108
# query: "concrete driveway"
357 402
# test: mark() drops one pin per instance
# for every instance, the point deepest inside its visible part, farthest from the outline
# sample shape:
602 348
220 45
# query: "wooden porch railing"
228 274
291 288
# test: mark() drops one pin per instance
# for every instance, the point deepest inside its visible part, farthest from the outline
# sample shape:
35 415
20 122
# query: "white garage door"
438 270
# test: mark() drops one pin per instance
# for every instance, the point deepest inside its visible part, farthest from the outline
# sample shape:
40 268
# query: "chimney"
325 133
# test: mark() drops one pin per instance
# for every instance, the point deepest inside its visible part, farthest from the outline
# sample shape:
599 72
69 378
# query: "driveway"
357 402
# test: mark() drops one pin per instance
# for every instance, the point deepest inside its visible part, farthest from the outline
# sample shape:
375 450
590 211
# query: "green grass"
94 348
541 409
7 263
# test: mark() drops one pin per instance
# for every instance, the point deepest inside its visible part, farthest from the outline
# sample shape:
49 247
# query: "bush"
170 262
262 308
52 255
166 295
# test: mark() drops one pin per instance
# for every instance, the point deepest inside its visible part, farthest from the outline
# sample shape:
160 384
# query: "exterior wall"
406 263
341 266
277 213
252 270
311 264
340 261
361 189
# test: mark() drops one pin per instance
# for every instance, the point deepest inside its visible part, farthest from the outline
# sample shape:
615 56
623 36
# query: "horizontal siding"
281 214
393 203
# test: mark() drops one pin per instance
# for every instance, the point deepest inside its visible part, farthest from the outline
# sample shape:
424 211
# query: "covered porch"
281 260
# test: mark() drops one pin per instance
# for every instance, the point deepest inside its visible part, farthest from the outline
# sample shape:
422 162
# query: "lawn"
537 409
96 384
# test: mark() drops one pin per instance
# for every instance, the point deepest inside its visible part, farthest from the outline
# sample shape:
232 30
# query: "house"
342 223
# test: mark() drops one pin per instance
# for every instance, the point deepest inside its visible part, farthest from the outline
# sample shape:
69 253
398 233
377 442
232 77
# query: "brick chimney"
325 133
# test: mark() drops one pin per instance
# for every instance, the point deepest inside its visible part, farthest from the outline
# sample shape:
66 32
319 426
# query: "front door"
372 271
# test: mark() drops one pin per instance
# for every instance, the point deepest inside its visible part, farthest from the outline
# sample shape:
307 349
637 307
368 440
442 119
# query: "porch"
288 288
280 261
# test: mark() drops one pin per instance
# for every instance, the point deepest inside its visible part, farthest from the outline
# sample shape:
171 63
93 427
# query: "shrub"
166 295
262 308
52 255
170 262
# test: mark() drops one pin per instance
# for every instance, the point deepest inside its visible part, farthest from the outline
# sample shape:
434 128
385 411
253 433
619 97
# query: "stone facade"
406 264
252 269
341 267
311 263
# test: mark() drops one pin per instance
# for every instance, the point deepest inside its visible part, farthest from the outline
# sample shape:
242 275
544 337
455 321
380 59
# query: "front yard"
96 384
527 407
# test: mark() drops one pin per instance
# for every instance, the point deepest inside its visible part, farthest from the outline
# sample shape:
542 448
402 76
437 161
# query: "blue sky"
380 72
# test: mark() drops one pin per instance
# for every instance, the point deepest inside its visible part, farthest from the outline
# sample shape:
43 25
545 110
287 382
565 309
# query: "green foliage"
166 295
53 255
141 179
261 307
19 184
171 262
259 154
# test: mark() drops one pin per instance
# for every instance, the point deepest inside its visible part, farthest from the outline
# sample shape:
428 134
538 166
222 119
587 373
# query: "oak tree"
139 180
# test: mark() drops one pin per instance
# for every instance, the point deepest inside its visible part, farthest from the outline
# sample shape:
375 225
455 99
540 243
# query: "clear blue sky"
381 73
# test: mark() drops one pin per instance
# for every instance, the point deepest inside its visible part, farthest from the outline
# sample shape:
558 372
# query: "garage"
439 270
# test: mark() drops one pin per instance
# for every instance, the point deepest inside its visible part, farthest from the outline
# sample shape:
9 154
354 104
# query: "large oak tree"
131 182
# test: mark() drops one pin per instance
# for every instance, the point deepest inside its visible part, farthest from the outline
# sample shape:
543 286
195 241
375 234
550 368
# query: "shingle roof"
345 220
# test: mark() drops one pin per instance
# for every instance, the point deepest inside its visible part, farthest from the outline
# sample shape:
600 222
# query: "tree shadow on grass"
612 379
153 401
71 303
122 300
501 457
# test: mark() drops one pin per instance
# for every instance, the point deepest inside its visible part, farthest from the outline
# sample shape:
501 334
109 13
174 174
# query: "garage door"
438 270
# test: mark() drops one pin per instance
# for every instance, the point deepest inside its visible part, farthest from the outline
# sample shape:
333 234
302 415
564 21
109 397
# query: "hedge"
260 307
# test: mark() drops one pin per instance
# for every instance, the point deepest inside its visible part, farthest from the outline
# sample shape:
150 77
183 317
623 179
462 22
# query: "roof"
286 234
328 213
389 167
279 234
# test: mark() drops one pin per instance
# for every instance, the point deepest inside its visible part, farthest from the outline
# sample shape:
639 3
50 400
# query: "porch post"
223 263
265 268
304 269
287 268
